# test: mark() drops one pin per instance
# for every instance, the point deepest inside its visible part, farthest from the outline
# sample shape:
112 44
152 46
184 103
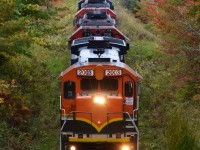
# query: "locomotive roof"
98 43
81 12
95 4
92 30
95 1
96 18
97 15
91 55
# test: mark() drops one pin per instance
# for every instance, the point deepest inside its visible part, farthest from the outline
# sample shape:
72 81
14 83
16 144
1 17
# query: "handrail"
128 116
134 112
131 121
64 111
74 112
61 106
63 126
80 112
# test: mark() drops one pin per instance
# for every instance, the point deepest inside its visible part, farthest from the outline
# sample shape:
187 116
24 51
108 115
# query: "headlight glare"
99 100
72 148
125 147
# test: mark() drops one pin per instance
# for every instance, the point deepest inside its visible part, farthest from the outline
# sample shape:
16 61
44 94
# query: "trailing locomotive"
95 18
100 93
95 3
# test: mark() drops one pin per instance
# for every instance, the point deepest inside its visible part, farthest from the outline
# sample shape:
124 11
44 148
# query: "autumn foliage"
178 19
177 23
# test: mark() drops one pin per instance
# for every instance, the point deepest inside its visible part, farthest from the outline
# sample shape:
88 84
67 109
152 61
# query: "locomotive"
99 92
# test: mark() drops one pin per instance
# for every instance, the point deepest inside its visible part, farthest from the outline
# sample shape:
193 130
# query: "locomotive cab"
100 105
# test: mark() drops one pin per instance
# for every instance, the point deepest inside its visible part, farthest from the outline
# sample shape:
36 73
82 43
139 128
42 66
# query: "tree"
18 18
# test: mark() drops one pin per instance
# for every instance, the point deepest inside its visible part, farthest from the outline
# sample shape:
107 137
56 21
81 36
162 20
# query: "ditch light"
125 147
72 147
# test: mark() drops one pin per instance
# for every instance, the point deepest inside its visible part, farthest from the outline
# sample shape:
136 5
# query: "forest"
164 48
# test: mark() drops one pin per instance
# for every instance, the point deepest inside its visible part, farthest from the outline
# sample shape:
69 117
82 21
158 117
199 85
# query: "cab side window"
128 89
69 90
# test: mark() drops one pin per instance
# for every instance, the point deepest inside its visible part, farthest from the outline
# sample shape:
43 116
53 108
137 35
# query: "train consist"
100 92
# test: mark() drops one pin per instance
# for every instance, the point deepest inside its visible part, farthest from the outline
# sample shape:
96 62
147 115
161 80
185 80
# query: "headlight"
125 147
72 148
99 100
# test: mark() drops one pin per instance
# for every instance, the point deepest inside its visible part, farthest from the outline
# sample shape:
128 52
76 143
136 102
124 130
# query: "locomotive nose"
102 105
99 72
